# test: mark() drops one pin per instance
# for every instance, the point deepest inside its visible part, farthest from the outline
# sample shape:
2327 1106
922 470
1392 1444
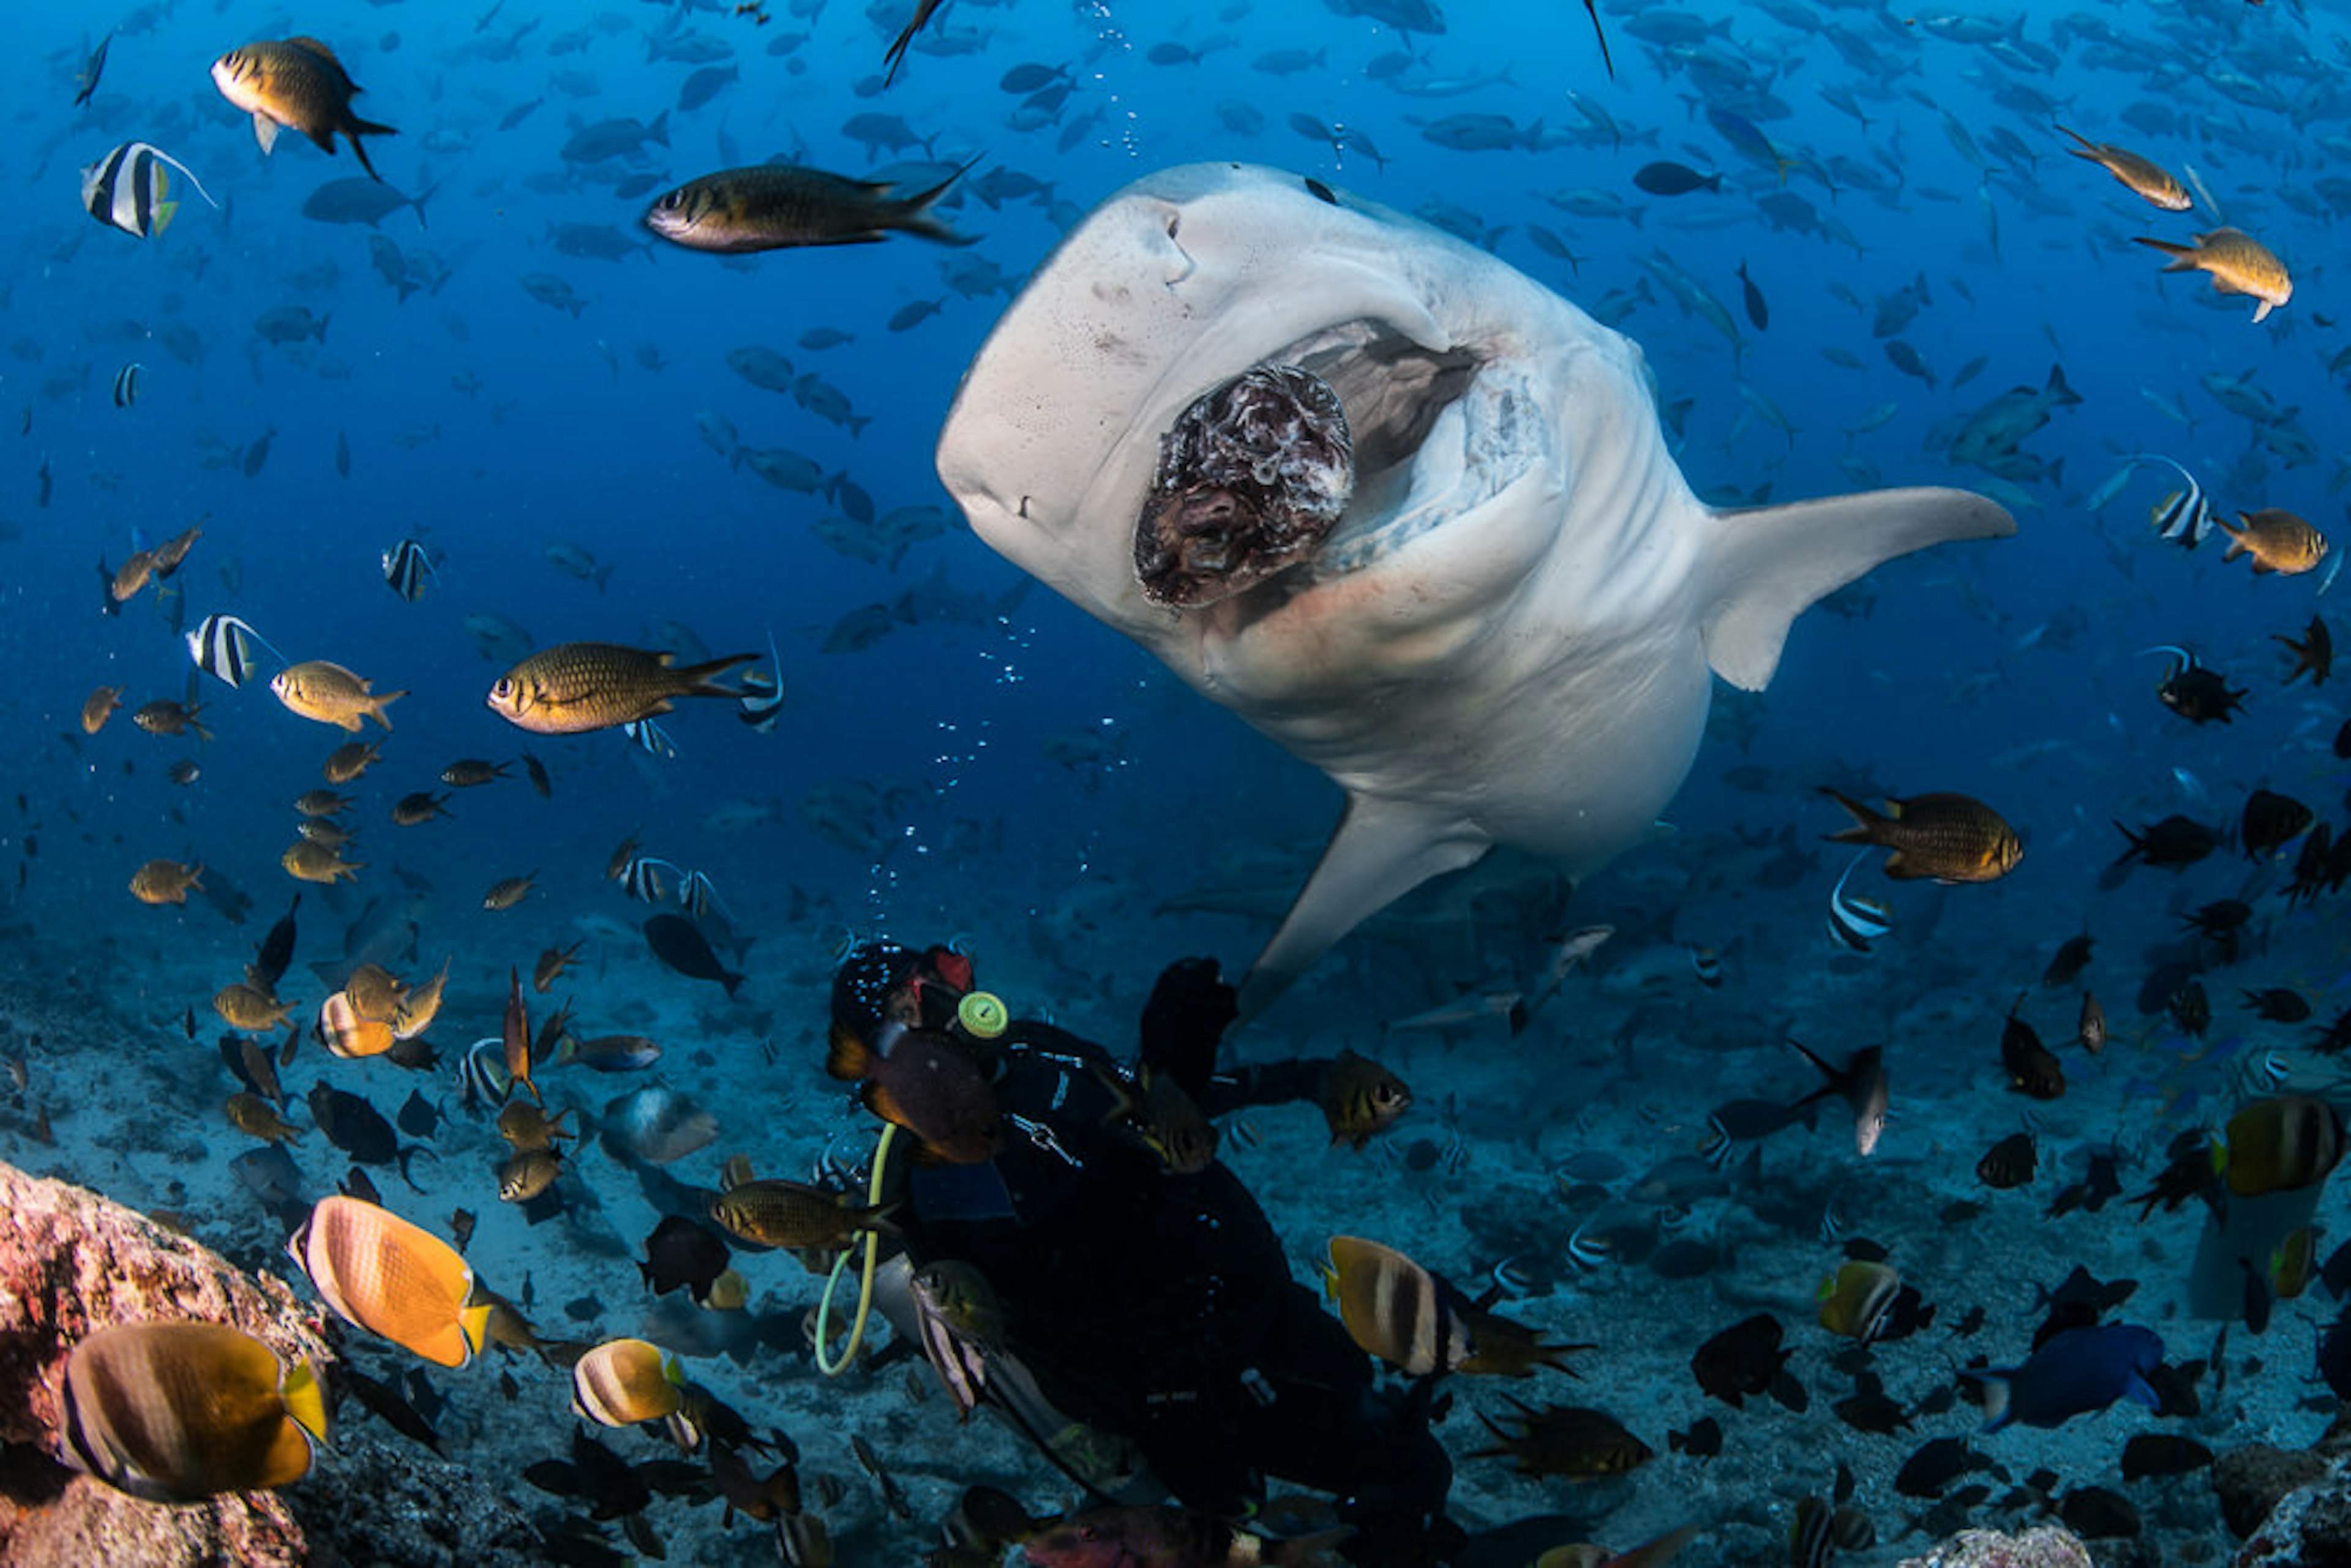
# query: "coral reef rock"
2045 1548
71 1264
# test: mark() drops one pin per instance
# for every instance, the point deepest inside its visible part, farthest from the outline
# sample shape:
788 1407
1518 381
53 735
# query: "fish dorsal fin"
1770 564
265 130
1381 850
303 41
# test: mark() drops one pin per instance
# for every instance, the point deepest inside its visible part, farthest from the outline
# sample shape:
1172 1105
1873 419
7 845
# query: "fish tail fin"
701 680
306 1400
913 215
1769 564
2065 395
418 202
1864 830
201 733
2183 256
375 709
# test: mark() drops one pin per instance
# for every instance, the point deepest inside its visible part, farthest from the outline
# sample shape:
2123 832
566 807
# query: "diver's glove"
1189 1009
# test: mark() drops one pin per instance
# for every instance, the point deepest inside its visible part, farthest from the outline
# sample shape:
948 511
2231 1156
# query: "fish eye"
505 688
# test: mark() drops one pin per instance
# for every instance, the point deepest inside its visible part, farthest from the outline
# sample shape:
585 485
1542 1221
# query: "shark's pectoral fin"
1381 850
1766 566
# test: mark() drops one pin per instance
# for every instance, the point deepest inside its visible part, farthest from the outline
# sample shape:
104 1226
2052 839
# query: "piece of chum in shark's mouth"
1250 480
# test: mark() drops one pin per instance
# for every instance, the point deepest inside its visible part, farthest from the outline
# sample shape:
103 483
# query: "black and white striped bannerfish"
697 892
222 647
2184 517
129 190
1855 922
406 565
642 878
763 695
126 384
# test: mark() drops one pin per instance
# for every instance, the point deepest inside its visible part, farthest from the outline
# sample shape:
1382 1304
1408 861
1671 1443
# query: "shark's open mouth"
1316 451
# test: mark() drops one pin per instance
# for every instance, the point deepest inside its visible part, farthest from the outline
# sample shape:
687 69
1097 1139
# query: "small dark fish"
1758 311
1702 1441
680 944
1949 837
2009 1163
358 1129
2072 957
682 1251
419 1117
86 78
2199 694
538 779
2029 1067
2278 1005
932 1086
1567 1441
388 1404
1665 178
2189 1008
2172 843
2272 821
2314 653
1936 1464
1743 1359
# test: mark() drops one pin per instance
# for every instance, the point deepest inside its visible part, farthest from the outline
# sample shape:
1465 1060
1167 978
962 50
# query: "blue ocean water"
995 764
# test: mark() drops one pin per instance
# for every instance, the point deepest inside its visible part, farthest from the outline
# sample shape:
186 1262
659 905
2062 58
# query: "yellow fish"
2239 264
176 1412
2277 539
575 687
2143 176
391 1279
330 694
297 83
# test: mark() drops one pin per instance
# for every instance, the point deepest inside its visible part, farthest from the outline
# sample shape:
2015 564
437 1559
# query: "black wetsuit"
1161 1307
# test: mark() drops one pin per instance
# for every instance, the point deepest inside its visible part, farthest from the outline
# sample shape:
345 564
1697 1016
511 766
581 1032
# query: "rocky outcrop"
2045 1548
72 1262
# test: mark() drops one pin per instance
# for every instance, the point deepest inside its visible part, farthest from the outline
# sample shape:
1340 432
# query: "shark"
1399 508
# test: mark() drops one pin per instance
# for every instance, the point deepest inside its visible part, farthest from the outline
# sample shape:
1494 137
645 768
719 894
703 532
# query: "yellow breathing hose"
834 1368
983 1014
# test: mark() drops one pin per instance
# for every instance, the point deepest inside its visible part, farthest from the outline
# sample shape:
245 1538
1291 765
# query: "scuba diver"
1075 1254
